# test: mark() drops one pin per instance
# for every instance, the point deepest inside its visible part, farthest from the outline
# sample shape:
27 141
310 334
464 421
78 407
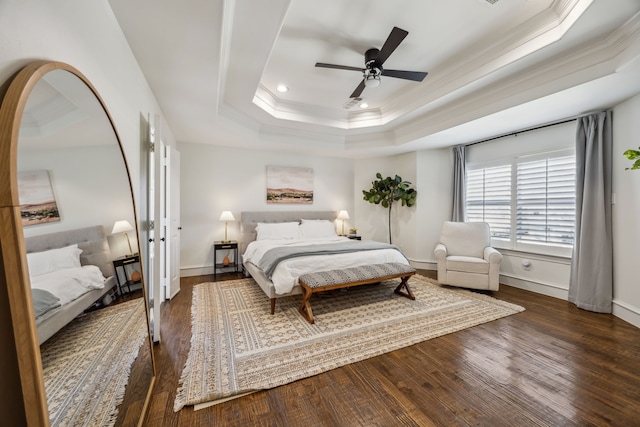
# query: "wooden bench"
336 279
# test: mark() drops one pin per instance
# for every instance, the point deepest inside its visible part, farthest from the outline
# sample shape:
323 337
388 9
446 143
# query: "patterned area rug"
86 365
238 347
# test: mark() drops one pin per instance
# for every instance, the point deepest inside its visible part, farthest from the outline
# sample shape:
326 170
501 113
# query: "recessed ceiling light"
364 105
282 88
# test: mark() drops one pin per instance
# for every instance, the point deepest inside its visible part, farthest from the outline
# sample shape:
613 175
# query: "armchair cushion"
467 264
466 238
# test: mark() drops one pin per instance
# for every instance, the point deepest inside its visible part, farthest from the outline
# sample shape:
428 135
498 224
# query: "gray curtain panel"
459 183
591 283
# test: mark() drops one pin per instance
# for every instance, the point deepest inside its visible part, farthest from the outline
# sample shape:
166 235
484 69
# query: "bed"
53 269
282 279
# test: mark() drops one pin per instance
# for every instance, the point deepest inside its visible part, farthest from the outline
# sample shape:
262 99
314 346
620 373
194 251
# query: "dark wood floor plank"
551 365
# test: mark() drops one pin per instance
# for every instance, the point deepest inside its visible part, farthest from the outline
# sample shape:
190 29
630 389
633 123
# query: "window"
489 199
546 201
529 201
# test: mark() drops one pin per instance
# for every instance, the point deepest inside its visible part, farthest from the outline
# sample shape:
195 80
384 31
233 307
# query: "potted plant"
353 231
633 155
385 191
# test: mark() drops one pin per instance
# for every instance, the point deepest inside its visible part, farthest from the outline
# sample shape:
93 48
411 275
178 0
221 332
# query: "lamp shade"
121 226
343 215
226 216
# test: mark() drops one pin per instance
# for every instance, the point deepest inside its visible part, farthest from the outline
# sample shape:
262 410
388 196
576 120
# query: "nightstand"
228 246
123 262
354 237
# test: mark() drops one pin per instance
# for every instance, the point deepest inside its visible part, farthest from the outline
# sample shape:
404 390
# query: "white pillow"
53 260
277 230
317 229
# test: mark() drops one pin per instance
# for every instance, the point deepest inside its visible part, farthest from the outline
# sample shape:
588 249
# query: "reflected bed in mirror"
95 362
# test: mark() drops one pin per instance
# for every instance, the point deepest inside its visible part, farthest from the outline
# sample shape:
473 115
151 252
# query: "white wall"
215 178
86 35
626 213
435 181
415 230
90 187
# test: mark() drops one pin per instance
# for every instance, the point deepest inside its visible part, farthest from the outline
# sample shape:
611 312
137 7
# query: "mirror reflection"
82 254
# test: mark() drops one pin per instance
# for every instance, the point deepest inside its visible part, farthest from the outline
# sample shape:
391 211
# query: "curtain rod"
523 131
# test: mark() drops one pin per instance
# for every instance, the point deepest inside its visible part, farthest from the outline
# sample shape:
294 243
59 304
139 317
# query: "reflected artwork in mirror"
90 356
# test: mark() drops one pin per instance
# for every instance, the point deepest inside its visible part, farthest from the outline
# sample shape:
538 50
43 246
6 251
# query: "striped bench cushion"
354 274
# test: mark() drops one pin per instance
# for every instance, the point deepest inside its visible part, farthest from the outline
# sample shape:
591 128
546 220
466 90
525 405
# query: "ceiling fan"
373 60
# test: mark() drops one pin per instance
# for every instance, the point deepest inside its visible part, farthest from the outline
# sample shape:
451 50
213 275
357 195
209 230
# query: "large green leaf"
633 155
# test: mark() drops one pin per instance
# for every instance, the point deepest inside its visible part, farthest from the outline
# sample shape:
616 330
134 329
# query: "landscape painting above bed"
37 202
289 185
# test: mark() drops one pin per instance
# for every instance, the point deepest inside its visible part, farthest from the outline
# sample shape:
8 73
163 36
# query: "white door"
161 240
172 200
144 215
154 272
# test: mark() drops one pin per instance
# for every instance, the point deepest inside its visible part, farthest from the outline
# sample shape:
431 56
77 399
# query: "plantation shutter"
489 199
546 201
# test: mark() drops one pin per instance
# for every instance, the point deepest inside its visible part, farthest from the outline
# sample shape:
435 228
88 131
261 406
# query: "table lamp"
343 215
122 227
226 216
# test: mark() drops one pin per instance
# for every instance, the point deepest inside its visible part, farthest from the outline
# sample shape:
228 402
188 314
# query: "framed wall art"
37 202
289 185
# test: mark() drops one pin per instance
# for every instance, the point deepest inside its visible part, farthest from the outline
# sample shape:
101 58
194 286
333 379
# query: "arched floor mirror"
76 345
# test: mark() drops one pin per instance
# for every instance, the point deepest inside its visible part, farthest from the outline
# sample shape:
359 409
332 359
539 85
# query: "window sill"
560 259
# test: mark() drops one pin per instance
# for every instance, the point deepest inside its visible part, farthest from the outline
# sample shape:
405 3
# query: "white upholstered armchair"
465 256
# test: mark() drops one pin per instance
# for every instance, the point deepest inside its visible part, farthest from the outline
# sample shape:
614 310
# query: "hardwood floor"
552 365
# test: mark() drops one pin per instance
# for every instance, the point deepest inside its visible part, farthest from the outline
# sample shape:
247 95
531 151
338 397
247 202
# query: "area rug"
237 346
86 365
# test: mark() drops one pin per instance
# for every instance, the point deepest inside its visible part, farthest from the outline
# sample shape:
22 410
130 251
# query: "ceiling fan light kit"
371 80
373 60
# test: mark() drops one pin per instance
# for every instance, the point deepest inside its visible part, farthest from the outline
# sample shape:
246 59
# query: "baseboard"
548 289
174 293
423 265
627 312
196 271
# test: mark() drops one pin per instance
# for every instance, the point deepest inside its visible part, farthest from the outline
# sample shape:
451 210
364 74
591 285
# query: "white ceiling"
493 68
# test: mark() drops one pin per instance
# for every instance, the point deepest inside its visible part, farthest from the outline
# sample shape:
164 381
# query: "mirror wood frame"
24 400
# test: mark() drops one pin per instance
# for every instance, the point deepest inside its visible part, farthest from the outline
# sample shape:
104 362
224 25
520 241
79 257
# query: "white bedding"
70 283
285 276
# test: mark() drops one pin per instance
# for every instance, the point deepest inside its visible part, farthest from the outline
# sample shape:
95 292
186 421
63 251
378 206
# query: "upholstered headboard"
249 220
92 241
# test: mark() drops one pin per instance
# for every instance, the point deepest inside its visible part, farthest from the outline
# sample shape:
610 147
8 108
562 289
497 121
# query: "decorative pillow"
53 260
277 230
317 229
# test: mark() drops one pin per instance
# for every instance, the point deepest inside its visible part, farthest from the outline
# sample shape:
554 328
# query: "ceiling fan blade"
417 76
356 93
339 67
394 39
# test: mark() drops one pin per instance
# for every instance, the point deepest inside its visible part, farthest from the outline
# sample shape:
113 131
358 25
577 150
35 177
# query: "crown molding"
590 62
470 66
472 85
